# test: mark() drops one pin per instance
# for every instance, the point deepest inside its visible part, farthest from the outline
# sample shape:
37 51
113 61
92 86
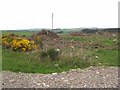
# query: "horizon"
55 28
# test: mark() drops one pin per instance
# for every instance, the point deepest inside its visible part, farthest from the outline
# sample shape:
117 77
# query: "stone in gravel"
97 72
65 80
43 84
54 73
11 81
84 85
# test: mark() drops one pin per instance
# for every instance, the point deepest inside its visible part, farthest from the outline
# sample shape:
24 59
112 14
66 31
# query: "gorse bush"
53 54
16 43
22 45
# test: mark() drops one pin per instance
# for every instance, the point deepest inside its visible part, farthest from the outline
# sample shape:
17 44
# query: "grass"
107 57
108 41
20 33
77 38
22 62
30 63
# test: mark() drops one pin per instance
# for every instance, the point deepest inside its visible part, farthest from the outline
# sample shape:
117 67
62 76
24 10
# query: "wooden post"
52 21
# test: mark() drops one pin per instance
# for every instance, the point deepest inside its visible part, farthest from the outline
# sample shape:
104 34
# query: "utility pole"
52 21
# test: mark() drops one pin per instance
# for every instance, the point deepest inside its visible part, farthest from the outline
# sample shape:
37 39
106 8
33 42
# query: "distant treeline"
85 30
15 30
101 30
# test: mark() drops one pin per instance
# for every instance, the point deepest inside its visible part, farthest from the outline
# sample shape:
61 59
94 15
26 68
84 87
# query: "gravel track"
92 77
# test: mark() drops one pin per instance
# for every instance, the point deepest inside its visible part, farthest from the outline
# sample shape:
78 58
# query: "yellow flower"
18 43
24 49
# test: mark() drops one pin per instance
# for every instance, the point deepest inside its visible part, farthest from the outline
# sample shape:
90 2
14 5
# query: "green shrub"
43 55
53 54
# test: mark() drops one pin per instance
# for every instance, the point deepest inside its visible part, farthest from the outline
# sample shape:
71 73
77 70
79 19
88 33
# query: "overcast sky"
25 14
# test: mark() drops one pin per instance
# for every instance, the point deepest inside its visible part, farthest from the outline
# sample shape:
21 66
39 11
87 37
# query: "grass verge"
22 62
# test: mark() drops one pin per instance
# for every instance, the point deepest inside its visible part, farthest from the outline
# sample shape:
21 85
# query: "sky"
26 14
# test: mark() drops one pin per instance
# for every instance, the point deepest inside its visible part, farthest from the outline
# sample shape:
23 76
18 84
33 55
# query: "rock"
97 72
54 73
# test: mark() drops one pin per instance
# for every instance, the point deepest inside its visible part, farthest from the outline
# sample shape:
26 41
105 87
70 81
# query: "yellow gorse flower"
18 43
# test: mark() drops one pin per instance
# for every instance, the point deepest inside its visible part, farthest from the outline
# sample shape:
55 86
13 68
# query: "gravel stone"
92 77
